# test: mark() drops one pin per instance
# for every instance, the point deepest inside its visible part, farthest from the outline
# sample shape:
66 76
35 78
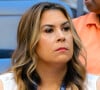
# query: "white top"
91 81
9 82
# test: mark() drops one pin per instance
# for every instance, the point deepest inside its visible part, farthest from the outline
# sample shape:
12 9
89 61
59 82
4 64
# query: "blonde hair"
25 58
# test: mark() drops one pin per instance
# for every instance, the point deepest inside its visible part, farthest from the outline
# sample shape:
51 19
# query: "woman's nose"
61 36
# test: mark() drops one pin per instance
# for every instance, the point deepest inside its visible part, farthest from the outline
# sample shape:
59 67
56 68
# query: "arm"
98 84
1 85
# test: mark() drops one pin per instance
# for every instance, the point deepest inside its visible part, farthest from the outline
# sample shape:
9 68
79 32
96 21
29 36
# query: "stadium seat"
5 63
59 2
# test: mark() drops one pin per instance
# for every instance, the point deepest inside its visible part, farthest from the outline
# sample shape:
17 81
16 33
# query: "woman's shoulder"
8 74
8 81
7 77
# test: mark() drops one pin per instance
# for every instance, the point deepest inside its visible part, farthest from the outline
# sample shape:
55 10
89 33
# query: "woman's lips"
62 49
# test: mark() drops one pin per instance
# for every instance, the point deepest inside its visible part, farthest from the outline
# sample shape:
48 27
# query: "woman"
46 57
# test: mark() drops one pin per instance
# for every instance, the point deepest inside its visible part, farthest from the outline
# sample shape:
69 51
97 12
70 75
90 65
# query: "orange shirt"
88 28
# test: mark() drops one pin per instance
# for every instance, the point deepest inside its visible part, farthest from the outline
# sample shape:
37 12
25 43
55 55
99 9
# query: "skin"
98 84
54 34
1 86
93 5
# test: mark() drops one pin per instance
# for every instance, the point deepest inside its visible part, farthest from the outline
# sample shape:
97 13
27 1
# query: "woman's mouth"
62 49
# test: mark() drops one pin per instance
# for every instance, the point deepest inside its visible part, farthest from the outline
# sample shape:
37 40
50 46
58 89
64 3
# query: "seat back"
67 7
5 64
80 7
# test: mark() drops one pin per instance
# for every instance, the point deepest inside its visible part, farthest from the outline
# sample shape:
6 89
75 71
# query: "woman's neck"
51 75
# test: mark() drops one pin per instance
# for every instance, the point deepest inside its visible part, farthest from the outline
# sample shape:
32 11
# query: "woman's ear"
98 84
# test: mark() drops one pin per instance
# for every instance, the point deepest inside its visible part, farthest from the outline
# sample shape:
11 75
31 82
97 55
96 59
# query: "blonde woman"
46 57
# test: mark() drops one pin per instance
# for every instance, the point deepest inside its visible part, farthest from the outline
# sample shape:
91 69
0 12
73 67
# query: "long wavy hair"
25 58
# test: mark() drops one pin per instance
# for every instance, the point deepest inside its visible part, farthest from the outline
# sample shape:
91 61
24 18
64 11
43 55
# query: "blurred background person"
88 28
77 6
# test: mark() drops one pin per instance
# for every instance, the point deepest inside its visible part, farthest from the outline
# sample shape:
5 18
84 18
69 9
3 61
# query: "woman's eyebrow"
46 25
49 25
67 22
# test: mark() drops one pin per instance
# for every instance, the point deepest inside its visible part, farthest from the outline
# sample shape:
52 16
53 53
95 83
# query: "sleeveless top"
8 81
10 84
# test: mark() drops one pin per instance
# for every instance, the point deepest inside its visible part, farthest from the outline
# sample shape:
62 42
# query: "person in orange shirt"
88 28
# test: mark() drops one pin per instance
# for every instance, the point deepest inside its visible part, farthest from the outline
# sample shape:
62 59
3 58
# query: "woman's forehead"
53 16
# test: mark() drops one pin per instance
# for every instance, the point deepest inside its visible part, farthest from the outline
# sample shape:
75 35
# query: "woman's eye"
66 28
49 30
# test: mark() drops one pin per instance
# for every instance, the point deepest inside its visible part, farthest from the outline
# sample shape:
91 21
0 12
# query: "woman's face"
56 41
93 5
